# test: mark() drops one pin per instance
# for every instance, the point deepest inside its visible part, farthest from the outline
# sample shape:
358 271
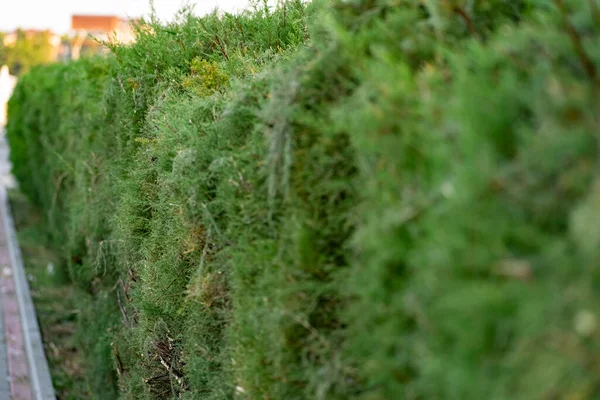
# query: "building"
89 31
86 36
104 27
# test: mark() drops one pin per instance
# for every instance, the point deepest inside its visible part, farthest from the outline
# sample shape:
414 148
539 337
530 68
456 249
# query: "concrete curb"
41 381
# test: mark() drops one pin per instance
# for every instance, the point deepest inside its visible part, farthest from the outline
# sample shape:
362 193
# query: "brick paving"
4 383
18 368
24 373
14 368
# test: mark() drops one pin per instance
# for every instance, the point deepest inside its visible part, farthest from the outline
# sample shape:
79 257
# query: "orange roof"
96 23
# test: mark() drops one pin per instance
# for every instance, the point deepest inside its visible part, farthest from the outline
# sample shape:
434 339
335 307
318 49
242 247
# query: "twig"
243 42
121 83
57 185
155 378
595 12
587 63
175 374
463 14
212 220
124 289
222 47
123 311
306 35
131 275
54 350
121 368
204 253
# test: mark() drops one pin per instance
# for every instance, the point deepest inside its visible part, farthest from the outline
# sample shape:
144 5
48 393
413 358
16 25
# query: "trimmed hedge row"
355 200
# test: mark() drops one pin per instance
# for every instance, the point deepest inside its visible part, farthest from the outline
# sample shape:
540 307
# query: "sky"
56 14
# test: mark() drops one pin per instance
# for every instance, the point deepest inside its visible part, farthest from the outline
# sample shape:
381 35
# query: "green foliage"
358 200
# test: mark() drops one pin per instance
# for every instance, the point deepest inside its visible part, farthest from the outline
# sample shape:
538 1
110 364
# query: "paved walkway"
24 373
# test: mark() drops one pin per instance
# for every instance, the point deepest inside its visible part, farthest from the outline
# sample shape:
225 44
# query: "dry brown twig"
584 58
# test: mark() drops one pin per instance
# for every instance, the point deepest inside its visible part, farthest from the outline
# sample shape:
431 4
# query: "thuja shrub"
89 149
350 200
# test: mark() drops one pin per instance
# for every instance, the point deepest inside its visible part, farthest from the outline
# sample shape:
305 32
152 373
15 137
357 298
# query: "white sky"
56 14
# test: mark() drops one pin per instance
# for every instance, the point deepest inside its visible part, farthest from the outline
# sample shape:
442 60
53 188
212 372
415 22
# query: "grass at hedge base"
365 200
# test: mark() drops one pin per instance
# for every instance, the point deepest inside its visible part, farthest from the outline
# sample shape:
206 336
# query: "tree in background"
2 49
29 48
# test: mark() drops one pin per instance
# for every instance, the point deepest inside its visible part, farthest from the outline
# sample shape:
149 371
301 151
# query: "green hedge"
367 199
